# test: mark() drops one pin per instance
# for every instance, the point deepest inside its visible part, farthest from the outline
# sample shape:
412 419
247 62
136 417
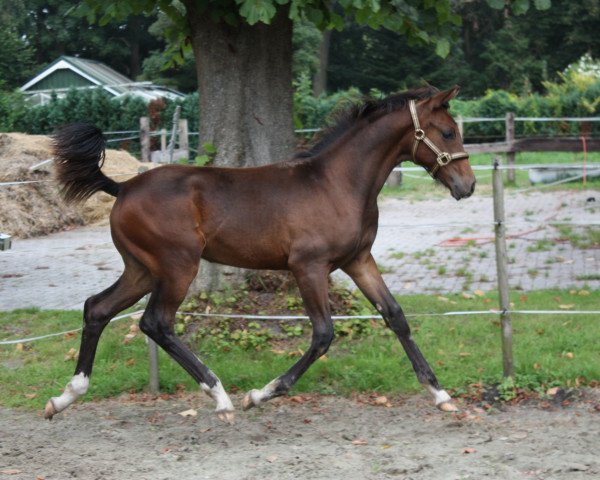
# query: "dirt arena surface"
303 437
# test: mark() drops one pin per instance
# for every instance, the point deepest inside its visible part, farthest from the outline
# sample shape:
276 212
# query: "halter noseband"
443 158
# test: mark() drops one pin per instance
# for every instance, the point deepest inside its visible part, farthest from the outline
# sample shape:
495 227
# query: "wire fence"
511 223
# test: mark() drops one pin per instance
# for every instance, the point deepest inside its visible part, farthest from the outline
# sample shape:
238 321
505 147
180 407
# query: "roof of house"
72 72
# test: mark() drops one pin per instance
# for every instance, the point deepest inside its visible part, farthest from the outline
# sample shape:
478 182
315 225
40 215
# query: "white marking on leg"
443 401
74 389
220 396
255 397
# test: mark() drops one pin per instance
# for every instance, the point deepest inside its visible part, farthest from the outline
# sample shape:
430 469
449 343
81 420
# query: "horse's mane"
370 108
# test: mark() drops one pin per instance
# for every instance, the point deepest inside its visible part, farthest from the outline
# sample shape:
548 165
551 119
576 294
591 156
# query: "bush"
93 106
12 107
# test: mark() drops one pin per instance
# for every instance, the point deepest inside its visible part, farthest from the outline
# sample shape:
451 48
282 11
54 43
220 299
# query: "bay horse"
311 215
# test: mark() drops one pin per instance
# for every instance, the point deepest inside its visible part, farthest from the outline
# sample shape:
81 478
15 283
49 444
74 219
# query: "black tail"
78 156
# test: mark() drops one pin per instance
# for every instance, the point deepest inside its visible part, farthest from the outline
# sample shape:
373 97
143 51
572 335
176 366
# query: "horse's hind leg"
98 310
157 323
314 288
365 274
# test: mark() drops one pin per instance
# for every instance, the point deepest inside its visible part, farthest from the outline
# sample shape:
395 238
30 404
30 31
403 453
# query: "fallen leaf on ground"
552 391
464 354
359 441
136 316
479 293
188 413
469 450
70 335
382 400
72 354
297 399
569 355
20 347
10 471
277 351
271 458
566 306
30 396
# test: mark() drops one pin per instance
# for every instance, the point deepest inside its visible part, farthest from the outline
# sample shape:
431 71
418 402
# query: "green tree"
243 56
52 30
16 54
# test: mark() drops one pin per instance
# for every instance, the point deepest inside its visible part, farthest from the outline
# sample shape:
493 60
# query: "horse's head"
437 144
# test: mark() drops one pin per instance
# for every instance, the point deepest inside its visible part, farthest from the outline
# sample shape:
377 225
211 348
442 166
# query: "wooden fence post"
184 141
163 140
174 132
510 138
461 126
502 269
153 379
145 139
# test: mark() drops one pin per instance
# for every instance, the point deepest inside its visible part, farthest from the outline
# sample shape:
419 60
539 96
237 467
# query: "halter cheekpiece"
442 158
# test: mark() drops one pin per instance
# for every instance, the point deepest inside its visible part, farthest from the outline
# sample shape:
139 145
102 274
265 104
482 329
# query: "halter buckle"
444 158
419 134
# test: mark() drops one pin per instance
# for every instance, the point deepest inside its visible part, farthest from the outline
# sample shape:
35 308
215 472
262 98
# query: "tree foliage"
509 45
420 21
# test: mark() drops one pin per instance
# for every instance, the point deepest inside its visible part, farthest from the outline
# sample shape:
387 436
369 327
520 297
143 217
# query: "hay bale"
37 209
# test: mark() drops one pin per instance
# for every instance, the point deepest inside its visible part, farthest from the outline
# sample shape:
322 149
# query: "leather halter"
442 158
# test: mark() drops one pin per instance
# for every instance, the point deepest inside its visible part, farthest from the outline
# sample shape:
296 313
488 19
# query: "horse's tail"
79 151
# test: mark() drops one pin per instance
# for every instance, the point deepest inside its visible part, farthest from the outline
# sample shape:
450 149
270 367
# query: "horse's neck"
367 158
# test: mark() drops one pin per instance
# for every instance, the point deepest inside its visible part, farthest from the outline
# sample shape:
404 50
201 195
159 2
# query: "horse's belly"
246 255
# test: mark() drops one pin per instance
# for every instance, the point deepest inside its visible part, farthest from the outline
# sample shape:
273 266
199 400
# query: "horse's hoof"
49 411
226 416
447 407
248 402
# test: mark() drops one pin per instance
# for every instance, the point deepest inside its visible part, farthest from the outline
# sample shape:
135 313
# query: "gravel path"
62 270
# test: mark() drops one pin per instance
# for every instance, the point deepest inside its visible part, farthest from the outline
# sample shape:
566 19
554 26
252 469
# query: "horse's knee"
94 315
322 338
153 326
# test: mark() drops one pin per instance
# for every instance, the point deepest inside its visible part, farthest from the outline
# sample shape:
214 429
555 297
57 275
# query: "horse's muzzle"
459 191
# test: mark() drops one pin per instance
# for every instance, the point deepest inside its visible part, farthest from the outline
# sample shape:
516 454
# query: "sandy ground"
318 438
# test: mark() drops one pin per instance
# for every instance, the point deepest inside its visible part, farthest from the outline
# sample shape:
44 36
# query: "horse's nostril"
472 187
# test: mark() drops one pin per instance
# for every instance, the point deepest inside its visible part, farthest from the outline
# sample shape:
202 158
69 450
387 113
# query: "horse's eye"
448 134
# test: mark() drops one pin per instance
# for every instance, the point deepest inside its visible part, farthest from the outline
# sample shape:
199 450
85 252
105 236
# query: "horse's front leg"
365 274
314 288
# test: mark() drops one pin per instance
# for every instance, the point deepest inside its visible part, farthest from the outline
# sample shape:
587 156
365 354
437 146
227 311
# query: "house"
66 73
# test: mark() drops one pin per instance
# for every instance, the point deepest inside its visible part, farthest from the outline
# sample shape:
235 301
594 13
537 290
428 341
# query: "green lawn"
414 186
549 350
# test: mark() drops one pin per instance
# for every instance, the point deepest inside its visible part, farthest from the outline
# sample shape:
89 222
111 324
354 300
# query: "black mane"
370 108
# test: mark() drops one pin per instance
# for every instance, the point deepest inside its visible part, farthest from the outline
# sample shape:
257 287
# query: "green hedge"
577 95
93 106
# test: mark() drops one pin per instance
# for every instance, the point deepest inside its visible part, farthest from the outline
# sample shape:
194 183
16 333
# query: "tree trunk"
245 86
246 99
320 80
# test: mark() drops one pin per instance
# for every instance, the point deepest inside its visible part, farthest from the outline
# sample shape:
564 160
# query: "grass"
549 350
413 187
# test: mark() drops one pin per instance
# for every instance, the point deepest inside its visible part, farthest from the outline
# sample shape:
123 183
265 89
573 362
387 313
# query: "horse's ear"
441 99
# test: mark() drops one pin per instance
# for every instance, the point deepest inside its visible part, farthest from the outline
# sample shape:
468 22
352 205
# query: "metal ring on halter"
419 134
444 158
